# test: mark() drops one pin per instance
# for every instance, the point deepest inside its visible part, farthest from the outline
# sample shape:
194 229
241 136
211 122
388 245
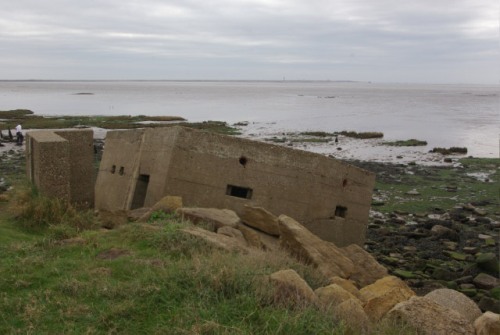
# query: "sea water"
443 115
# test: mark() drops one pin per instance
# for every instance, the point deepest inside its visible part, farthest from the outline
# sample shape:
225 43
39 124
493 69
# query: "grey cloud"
257 39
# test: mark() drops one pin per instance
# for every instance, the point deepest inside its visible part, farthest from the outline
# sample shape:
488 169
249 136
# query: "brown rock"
217 240
354 317
367 269
486 281
488 324
216 217
291 290
332 295
308 247
347 285
383 295
259 239
430 318
111 220
167 204
261 219
456 301
233 233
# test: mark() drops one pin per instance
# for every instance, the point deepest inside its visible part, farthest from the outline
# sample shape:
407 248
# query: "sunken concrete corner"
139 167
60 164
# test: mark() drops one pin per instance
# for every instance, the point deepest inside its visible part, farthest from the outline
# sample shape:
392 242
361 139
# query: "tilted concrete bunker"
60 164
139 167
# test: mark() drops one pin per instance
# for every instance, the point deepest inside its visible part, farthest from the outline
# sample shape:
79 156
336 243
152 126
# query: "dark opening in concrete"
239 192
340 211
122 171
243 161
141 189
113 169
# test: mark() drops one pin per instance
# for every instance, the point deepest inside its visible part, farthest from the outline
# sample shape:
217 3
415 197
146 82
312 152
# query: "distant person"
19 134
336 138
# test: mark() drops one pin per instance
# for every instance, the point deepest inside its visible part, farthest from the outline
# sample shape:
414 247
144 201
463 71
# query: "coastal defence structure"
60 164
139 167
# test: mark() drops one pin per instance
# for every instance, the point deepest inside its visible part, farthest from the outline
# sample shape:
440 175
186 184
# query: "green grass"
362 135
160 281
31 121
442 188
406 143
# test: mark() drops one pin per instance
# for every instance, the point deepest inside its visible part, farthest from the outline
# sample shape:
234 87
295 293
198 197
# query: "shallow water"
443 115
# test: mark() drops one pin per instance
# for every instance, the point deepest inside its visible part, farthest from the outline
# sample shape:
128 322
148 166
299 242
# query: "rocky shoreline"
449 239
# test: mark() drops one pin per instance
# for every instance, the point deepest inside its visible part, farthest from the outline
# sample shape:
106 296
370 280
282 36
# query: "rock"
291 290
404 274
383 295
354 317
413 192
259 239
487 324
261 219
456 301
444 233
218 240
308 247
442 273
167 204
486 281
488 262
216 217
347 285
232 232
489 304
332 295
430 318
367 269
470 250
138 213
111 220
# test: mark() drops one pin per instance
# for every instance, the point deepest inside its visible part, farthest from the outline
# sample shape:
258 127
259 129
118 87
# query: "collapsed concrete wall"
60 164
139 167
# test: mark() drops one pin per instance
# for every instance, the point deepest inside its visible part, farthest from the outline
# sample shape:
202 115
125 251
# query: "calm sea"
444 115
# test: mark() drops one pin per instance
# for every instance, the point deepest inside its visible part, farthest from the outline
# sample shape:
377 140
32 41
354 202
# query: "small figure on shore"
10 135
336 139
19 134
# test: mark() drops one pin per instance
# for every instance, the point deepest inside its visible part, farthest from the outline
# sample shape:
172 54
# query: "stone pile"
456 249
360 292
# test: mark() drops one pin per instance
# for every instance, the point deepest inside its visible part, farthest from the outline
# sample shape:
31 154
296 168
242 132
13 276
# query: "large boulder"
486 281
233 233
332 295
167 204
456 301
218 240
291 290
261 219
308 247
351 313
366 268
430 318
383 295
347 285
212 216
258 239
487 324
112 219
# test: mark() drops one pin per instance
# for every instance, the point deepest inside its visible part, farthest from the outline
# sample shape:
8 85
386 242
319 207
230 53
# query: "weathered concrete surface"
139 167
60 164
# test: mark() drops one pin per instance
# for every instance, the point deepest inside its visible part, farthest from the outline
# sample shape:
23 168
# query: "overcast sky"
436 41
